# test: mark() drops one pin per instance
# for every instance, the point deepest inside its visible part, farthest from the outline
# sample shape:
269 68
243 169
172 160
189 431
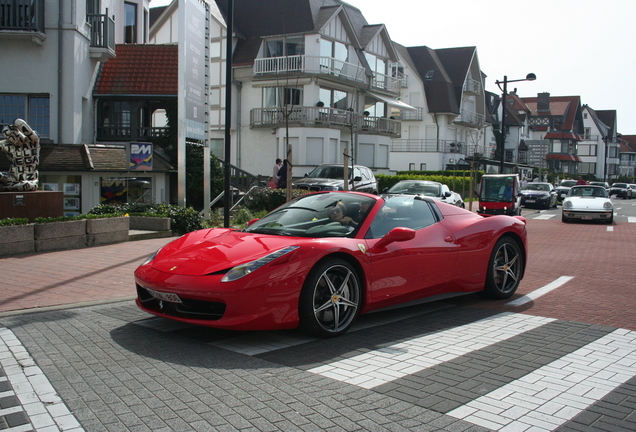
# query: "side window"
414 214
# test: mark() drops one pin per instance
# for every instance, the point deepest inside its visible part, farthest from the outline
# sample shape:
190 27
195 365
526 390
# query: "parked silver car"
330 177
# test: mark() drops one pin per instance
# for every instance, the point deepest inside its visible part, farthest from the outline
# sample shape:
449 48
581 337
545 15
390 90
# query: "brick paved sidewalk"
76 276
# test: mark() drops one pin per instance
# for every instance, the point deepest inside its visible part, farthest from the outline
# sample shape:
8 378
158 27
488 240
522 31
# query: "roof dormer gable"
376 40
334 23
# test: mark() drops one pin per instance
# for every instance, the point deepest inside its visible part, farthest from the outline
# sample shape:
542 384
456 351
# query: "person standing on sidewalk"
275 178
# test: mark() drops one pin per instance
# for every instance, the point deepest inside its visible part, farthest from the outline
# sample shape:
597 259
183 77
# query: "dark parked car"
330 177
539 195
563 188
621 190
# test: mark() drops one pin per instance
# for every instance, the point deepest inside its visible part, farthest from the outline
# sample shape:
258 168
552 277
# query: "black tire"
330 299
505 268
565 219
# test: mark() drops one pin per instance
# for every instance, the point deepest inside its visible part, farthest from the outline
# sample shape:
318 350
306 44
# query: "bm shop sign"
141 156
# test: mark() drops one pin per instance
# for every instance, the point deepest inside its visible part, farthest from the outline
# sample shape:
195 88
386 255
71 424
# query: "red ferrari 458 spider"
321 259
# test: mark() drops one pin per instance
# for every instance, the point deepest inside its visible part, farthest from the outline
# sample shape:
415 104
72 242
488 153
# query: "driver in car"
506 190
337 214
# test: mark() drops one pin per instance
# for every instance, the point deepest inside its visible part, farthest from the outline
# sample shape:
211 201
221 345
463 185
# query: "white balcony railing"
472 86
305 116
309 65
471 118
428 146
387 82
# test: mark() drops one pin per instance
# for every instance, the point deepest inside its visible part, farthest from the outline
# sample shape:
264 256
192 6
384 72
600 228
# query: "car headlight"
150 258
567 204
607 205
244 269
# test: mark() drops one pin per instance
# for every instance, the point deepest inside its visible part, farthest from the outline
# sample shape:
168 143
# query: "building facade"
56 49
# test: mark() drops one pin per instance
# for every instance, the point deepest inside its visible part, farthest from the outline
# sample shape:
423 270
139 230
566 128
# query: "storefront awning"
392 102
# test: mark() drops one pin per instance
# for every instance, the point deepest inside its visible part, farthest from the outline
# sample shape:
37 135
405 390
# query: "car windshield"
330 172
537 187
316 215
567 183
588 191
497 189
416 188
619 185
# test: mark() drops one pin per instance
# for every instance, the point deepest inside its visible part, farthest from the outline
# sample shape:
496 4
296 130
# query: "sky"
580 48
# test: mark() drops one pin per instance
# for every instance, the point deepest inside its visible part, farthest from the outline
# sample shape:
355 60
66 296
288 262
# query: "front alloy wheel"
330 299
505 269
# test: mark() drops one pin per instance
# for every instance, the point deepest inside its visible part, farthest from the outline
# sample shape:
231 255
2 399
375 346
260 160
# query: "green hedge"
14 221
182 219
268 199
457 181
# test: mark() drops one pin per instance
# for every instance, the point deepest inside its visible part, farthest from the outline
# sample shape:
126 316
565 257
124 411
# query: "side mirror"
385 190
252 221
357 179
447 194
306 175
398 234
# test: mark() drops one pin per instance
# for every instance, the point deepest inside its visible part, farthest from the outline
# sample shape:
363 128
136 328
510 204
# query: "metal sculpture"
22 147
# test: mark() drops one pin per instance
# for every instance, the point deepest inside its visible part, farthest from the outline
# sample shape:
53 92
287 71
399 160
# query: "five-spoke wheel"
505 269
330 299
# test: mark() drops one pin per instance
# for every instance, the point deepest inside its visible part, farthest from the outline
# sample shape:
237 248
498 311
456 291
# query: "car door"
408 270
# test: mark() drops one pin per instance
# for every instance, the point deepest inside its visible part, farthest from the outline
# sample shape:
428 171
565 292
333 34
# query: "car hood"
591 203
213 250
317 181
534 192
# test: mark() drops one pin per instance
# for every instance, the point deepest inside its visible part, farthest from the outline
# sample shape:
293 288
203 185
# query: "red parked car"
323 258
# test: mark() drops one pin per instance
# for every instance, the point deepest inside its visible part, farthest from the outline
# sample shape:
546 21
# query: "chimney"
543 102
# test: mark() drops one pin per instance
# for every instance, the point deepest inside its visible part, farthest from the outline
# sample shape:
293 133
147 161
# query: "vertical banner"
191 97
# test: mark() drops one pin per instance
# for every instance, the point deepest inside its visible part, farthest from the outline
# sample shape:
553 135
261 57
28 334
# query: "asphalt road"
559 355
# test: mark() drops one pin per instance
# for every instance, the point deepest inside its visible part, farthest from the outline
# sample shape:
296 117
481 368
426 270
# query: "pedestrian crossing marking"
545 399
377 367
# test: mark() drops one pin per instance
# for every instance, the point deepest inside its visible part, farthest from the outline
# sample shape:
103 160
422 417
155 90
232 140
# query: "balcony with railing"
471 118
472 86
428 146
305 116
386 82
102 33
410 115
128 133
22 18
303 64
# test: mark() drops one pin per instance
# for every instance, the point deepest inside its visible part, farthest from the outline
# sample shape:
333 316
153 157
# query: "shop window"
70 185
126 190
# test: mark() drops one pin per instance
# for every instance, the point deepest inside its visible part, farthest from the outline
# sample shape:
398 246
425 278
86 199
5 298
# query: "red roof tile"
140 69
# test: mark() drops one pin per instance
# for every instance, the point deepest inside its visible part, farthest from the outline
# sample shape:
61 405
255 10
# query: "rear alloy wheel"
330 299
505 269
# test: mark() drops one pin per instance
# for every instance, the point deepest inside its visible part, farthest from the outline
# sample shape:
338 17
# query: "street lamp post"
529 77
